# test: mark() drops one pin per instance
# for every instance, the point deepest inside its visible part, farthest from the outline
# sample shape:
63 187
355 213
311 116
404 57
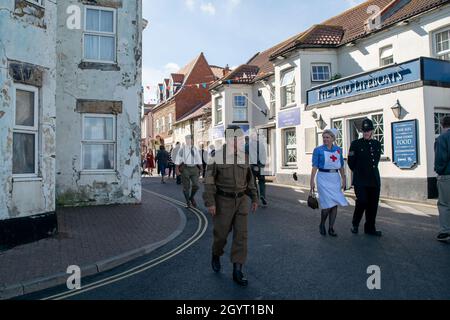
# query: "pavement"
94 238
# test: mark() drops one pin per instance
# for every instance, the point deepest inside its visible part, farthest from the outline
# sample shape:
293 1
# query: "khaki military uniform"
227 187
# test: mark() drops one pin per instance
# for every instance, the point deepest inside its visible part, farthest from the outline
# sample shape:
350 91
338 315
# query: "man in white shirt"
189 163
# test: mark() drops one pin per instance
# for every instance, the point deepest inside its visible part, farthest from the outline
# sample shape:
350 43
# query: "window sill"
99 172
27 179
289 167
102 66
289 106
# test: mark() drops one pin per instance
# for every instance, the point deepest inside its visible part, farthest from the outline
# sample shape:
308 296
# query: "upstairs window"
321 72
288 87
38 2
100 35
240 110
386 56
442 44
219 110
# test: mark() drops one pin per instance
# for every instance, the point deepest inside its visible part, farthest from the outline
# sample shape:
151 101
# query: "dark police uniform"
363 160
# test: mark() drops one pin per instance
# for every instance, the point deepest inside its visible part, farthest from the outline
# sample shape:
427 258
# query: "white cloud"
208 8
190 4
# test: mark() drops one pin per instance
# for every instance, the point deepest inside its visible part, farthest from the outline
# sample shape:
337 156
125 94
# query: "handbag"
313 203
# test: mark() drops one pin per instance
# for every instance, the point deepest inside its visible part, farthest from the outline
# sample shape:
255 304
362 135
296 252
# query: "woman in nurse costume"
328 166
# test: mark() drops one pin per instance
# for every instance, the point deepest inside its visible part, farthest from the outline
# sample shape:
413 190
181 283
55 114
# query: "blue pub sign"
404 144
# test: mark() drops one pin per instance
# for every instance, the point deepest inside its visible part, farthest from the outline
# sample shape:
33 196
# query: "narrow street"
288 259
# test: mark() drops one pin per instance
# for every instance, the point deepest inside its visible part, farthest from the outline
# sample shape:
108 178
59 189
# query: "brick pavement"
94 238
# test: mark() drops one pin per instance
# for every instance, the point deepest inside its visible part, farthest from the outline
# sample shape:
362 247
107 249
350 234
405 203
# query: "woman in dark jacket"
163 162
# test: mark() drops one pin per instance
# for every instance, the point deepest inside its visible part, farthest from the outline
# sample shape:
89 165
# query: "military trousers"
189 179
231 216
367 201
444 203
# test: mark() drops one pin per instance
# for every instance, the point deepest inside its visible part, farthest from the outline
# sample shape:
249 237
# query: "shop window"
438 117
99 142
386 56
338 125
26 132
321 73
378 133
100 35
240 109
219 110
442 44
290 146
288 87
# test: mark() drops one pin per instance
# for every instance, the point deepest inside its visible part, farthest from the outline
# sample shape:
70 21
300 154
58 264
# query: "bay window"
240 108
288 88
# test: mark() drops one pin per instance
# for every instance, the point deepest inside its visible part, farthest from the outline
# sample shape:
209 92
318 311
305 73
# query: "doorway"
354 133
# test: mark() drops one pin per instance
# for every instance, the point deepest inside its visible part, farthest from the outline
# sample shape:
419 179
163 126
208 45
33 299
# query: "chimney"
226 70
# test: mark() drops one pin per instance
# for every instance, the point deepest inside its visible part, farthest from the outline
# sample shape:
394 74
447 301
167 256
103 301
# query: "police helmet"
367 125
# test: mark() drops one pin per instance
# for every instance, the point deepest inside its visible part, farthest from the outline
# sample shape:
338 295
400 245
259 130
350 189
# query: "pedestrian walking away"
171 165
363 159
442 168
328 166
189 164
174 157
228 187
150 162
162 158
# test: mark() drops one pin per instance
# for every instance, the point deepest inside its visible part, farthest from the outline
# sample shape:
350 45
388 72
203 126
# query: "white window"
290 146
240 108
99 142
442 44
158 127
100 35
288 87
320 72
163 124
378 133
273 102
170 122
38 2
219 110
26 132
386 56
338 125
438 117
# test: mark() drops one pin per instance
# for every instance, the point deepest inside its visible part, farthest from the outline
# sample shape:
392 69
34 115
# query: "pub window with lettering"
99 142
26 132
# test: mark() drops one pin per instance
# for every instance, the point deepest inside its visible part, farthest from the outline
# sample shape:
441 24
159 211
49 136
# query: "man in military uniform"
188 164
363 160
227 186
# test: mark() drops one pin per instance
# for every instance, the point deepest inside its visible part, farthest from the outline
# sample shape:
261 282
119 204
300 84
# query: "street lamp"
321 123
397 109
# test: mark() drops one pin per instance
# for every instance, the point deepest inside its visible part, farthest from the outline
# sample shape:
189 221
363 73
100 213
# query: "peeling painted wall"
78 81
28 36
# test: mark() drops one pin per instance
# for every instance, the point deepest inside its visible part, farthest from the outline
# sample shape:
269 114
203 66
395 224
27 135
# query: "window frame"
289 147
284 89
39 3
245 95
381 59
321 64
439 55
218 111
98 142
34 130
100 33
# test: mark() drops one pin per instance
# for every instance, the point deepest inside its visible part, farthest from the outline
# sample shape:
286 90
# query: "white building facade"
398 75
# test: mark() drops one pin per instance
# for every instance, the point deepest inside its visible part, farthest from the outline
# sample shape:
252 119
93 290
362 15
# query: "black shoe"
264 202
216 266
323 231
194 203
332 233
374 233
188 205
355 230
238 276
443 237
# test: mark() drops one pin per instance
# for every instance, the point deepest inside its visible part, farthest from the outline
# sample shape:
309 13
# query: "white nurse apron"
329 183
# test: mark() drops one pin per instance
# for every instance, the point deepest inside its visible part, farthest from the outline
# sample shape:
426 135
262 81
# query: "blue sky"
227 31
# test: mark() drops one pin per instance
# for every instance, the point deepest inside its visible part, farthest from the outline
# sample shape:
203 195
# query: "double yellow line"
201 229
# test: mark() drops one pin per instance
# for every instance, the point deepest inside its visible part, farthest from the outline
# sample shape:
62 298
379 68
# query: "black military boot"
238 276
216 264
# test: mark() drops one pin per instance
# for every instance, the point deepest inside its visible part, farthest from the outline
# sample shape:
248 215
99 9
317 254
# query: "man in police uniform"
227 184
363 160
